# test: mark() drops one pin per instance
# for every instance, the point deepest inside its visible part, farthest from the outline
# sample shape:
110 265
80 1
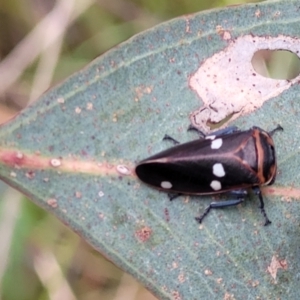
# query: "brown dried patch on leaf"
228 85
275 265
143 234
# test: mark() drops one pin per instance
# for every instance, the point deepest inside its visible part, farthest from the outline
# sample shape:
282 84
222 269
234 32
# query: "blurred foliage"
41 258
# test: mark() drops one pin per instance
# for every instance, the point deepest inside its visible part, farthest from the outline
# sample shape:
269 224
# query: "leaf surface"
73 152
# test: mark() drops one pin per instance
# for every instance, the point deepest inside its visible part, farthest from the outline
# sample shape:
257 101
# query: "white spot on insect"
216 185
166 184
216 144
100 194
218 170
210 137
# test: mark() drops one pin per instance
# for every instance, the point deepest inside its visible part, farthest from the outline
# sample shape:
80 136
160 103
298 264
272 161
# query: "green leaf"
73 152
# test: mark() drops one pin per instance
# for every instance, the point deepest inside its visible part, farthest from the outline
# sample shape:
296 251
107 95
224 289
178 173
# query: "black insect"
227 160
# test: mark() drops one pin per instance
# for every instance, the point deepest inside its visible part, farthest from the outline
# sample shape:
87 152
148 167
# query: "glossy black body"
248 159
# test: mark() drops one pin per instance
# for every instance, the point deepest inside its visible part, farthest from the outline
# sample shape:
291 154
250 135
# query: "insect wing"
212 165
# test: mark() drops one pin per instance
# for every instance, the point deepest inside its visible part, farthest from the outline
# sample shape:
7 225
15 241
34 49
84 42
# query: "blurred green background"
40 258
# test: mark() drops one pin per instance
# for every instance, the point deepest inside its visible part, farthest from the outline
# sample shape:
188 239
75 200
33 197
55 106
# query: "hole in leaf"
276 64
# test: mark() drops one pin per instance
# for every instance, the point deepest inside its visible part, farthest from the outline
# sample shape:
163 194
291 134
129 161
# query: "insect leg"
226 130
275 129
169 138
257 191
220 204
173 196
198 131
223 131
